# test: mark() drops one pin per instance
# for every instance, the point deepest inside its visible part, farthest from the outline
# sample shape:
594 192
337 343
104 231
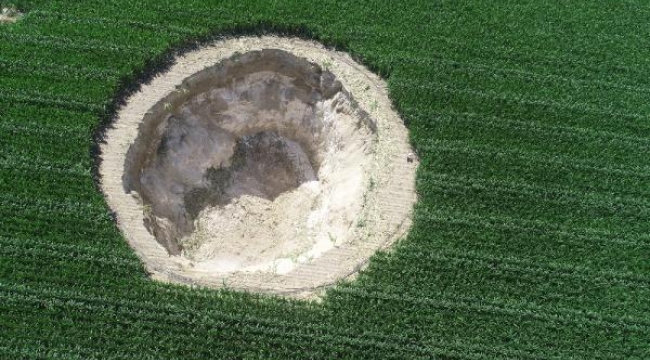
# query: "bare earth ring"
263 164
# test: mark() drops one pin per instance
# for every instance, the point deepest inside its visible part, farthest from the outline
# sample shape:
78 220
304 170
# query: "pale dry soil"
261 164
9 15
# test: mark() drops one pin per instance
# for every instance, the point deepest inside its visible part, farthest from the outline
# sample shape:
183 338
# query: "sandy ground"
305 239
9 15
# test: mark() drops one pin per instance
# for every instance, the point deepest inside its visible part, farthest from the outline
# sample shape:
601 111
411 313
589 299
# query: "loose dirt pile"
9 15
261 164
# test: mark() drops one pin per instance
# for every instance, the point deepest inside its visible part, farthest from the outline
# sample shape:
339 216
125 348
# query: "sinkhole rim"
391 188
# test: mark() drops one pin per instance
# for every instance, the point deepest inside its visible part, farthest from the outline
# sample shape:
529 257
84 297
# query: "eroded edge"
387 214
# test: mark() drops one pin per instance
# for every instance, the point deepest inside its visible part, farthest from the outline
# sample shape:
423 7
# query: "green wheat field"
531 237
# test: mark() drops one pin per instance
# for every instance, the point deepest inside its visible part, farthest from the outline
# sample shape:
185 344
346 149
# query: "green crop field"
531 237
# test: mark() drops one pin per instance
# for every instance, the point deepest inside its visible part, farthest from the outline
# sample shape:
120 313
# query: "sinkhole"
255 166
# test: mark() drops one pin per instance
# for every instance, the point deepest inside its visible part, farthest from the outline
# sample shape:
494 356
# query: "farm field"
531 235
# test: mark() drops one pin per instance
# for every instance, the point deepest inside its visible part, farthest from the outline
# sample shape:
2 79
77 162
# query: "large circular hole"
258 168
211 160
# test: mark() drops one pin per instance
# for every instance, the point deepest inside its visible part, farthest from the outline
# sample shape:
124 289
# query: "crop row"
130 317
480 318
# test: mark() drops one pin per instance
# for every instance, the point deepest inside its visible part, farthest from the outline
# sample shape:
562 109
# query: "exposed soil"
262 164
9 15
256 125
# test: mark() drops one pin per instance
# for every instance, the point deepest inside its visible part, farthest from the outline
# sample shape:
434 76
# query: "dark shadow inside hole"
264 164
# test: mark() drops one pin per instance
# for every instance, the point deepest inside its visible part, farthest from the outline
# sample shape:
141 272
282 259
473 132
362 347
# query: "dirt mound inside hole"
261 164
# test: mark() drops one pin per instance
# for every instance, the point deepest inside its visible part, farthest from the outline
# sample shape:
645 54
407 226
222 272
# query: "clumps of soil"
9 15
